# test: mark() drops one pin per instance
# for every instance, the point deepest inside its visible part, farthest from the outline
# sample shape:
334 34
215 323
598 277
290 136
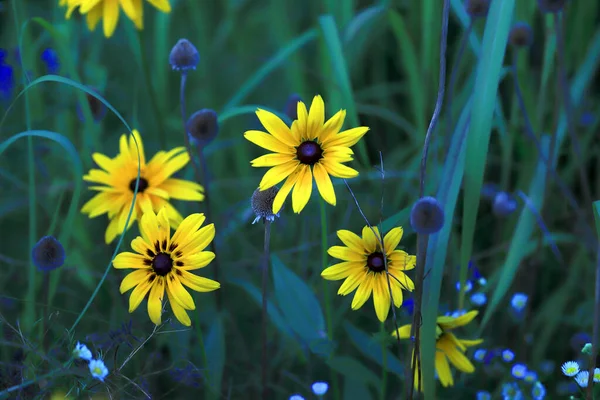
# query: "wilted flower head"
477 8
203 126
582 378
98 369
48 254
50 58
184 56
427 215
519 371
521 35
551 6
570 368
504 204
262 204
538 392
291 106
320 388
82 351
519 301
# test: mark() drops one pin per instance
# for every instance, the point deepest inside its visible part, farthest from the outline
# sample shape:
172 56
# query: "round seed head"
203 126
504 204
291 106
551 6
184 56
262 204
427 215
477 8
521 35
48 254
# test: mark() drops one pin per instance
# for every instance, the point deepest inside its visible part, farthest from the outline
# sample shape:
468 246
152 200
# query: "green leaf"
215 353
354 389
372 349
354 370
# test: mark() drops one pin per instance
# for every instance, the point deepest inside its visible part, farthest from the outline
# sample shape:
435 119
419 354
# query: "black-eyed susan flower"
448 347
109 10
156 187
163 263
363 268
311 147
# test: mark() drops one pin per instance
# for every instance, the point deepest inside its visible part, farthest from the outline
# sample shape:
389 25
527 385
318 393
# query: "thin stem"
384 366
595 329
45 337
200 339
423 239
564 85
265 279
155 108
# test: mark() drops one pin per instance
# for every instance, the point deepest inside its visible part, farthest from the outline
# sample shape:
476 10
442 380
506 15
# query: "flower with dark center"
521 35
477 8
427 216
48 254
291 106
364 268
448 347
184 56
262 204
163 263
310 147
156 185
551 6
203 126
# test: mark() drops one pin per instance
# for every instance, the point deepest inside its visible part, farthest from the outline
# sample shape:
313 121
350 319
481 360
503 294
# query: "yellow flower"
156 187
364 268
310 147
448 347
163 264
94 10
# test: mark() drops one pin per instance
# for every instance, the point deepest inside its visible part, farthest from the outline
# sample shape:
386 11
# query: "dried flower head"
184 56
521 35
551 6
262 204
203 126
48 254
477 8
427 215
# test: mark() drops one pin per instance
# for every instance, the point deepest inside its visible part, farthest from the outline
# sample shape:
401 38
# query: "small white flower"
98 369
508 355
479 354
570 368
296 397
482 281
320 388
82 351
531 376
478 299
582 378
519 371
596 375
519 301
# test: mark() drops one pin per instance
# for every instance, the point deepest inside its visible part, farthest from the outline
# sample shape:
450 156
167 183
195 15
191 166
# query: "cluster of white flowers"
97 367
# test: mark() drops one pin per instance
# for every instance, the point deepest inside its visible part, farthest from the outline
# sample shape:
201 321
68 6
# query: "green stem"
156 109
326 293
384 368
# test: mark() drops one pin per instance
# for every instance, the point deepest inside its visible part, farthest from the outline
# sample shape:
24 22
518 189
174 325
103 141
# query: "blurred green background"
380 62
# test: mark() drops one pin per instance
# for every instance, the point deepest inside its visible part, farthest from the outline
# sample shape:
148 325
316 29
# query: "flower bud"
184 56
262 204
203 126
477 8
48 254
521 35
427 216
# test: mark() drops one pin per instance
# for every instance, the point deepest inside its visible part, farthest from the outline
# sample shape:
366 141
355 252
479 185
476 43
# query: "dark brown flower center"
309 152
375 262
142 186
162 264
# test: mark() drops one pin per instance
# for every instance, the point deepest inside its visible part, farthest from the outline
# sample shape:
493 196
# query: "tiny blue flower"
320 388
478 299
479 355
538 392
296 397
482 281
409 305
587 118
483 395
50 58
458 313
508 355
7 81
582 378
475 274
519 301
511 391
504 204
82 351
98 369
468 286
519 371
531 376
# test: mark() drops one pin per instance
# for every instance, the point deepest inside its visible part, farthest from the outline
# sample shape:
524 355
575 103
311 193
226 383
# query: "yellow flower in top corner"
448 347
156 187
109 11
163 263
363 267
311 147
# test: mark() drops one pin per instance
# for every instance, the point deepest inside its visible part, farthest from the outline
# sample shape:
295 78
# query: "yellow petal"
129 9
396 291
140 246
112 230
183 190
179 311
278 173
276 127
199 240
370 241
86 6
149 228
347 138
381 297
111 17
271 160
471 343
127 260
268 142
161 5
316 117
342 270
136 146
448 323
400 260
188 227
155 300
302 120
138 295
100 204
197 261
352 282
198 283
164 229
134 279
285 190
403 280
352 240
324 183
457 358
392 239
363 292
333 126
104 162
93 17
346 254
443 369
403 331
338 170
302 189
169 168
179 293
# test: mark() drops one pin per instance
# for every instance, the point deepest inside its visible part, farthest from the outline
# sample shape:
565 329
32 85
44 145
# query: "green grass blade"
484 102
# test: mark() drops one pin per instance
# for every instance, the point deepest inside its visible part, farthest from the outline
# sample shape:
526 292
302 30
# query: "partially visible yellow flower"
311 147
156 187
448 347
109 10
364 268
163 264
60 395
